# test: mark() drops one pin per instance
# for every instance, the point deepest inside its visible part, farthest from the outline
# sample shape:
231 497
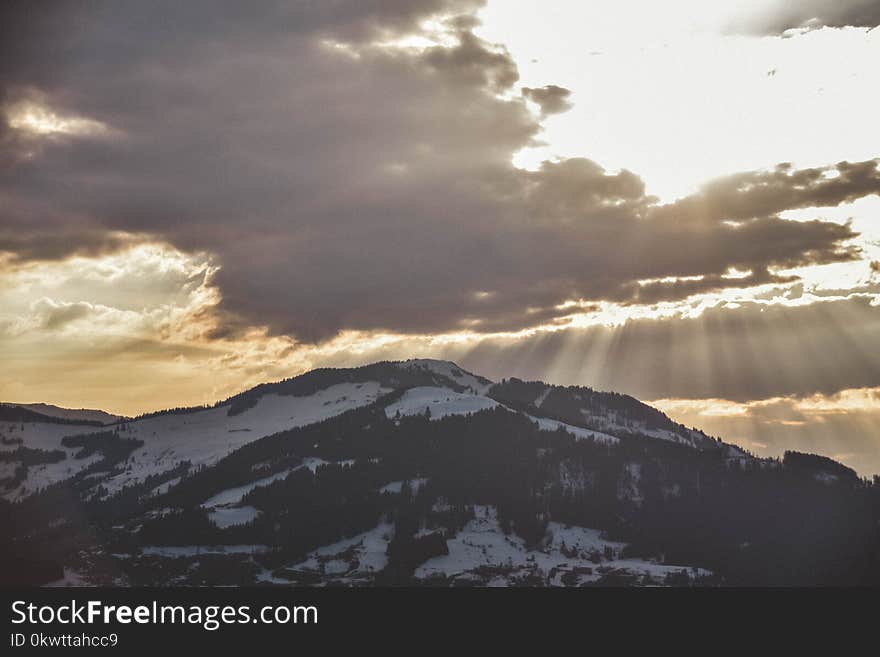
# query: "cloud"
53 315
743 352
57 237
34 119
843 425
756 194
85 319
783 16
551 98
344 180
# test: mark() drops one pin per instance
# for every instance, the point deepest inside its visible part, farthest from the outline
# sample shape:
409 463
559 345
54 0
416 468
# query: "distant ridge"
74 414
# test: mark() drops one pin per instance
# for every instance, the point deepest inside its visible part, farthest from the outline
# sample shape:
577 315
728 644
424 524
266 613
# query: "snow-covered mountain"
203 436
395 472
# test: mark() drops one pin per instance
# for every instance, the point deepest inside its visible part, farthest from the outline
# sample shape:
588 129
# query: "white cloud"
674 98
36 119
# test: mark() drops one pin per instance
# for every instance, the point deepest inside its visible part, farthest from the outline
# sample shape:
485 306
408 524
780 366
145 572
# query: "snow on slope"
613 423
575 552
40 435
449 370
363 554
163 488
482 554
235 495
238 515
441 402
70 578
692 438
202 437
396 487
207 436
540 398
578 432
232 496
44 436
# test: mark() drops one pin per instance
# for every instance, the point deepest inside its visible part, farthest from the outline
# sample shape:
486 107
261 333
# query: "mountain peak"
449 370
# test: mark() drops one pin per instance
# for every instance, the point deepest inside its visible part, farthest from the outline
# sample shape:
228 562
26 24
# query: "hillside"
419 472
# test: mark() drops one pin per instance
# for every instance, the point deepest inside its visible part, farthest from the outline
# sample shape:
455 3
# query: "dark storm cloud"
782 15
617 236
551 98
60 242
345 185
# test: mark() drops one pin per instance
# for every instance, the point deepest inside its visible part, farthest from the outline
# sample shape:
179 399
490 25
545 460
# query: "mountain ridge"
393 472
577 409
77 414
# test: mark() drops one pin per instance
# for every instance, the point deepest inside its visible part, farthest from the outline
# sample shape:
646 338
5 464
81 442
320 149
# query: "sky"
674 200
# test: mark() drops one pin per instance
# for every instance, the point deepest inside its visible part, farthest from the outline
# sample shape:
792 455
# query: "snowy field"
580 552
482 554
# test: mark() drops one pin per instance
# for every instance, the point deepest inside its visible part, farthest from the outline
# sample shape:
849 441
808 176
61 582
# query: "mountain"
420 472
79 414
